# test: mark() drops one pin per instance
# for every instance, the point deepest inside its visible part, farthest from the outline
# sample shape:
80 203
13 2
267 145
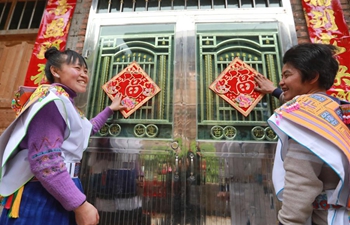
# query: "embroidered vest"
14 162
317 119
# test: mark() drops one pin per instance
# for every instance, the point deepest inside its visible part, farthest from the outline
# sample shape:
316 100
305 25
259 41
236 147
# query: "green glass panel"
151 46
256 44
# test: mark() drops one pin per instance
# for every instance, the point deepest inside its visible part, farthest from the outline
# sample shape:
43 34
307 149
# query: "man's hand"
264 85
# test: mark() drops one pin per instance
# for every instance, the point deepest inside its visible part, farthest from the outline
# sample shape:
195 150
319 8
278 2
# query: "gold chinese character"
61 9
55 28
342 94
217 131
230 132
340 49
319 2
140 130
44 46
324 38
342 75
40 77
325 19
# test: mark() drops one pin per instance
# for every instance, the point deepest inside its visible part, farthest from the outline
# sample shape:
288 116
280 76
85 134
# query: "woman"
310 172
42 148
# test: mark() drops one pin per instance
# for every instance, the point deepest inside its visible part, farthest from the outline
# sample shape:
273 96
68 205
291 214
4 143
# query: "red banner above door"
53 32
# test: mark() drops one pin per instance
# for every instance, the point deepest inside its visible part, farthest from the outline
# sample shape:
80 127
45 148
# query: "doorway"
186 156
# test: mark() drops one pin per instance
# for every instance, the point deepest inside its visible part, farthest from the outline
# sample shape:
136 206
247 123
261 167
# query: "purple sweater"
44 138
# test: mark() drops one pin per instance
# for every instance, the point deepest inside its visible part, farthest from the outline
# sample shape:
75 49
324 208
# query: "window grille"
112 6
21 14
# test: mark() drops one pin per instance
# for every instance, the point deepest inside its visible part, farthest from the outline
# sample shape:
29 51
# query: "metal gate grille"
216 118
154 53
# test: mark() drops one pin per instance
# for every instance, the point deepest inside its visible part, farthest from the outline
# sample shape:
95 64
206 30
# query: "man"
310 172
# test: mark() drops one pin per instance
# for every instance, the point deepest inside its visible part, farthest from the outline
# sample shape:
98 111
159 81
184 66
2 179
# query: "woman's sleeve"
99 120
44 140
302 184
278 93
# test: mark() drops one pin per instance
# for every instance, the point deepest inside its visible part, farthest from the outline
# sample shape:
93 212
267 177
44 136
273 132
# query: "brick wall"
346 11
76 36
300 22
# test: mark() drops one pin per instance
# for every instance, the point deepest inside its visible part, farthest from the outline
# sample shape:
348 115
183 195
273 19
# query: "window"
107 6
21 14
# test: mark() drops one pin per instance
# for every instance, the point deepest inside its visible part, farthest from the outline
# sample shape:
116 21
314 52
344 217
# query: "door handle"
176 176
191 178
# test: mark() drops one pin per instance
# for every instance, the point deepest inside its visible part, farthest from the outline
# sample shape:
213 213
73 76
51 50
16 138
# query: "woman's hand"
115 105
264 85
86 214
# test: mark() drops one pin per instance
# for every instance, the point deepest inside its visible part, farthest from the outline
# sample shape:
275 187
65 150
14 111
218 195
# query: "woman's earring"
56 75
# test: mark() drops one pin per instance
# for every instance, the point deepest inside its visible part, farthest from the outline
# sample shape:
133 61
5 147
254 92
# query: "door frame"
184 119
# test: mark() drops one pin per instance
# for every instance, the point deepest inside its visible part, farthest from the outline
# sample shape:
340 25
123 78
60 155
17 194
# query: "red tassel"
346 113
8 202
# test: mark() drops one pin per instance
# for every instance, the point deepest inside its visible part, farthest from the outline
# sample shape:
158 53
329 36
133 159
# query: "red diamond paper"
135 86
236 86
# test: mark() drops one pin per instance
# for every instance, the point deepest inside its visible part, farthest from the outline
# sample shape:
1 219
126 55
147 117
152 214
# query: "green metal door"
186 156
229 165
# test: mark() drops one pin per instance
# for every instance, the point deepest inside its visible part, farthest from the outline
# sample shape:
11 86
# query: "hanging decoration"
236 86
326 24
135 86
341 86
53 32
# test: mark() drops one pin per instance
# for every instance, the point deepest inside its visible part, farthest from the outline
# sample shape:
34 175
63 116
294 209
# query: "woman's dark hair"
56 58
312 59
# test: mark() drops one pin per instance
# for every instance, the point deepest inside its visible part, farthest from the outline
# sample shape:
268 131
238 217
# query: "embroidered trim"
346 113
321 203
81 114
44 161
292 105
53 170
46 152
329 118
46 142
26 95
61 91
